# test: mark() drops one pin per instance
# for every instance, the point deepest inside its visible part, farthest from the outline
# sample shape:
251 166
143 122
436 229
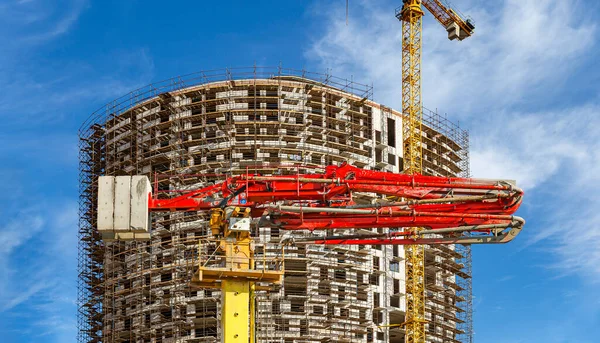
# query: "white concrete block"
140 193
122 203
144 236
453 31
123 207
131 236
106 196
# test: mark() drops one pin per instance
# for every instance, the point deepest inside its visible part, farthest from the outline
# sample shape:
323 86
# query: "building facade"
193 130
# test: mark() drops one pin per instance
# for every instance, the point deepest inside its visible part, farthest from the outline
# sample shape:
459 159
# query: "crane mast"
411 16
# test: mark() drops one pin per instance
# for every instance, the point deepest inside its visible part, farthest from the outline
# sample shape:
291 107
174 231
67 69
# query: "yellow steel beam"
235 287
215 274
235 318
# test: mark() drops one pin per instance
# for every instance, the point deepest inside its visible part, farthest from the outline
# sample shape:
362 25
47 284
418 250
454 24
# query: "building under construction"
199 128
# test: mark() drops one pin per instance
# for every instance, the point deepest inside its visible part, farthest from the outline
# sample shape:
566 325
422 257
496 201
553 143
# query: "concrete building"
195 129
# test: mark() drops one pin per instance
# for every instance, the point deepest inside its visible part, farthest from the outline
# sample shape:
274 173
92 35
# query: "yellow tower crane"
411 15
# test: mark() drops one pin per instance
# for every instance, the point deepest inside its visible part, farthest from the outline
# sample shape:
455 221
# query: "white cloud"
516 48
38 260
16 232
503 81
13 235
554 156
24 295
533 147
36 87
37 22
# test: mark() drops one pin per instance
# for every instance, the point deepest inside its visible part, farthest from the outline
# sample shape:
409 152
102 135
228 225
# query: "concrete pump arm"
456 210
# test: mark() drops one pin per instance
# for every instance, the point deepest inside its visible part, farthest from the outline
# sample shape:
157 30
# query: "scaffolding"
448 271
196 129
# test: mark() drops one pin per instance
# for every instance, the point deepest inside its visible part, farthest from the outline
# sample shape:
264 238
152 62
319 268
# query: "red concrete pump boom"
453 210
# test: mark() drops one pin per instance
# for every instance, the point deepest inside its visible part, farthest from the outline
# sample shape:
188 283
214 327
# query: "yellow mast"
411 16
237 277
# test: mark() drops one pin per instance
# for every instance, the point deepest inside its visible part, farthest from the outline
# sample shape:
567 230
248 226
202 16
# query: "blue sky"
526 85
